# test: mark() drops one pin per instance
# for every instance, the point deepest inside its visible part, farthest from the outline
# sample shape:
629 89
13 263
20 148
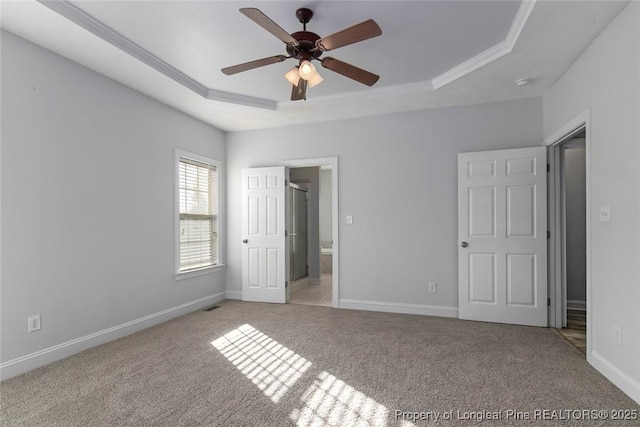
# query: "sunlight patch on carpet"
330 401
272 367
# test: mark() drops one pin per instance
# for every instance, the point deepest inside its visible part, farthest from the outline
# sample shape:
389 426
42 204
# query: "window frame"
182 154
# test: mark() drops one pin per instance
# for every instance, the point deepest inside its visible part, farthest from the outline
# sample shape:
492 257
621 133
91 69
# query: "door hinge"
548 167
286 233
286 182
286 285
548 235
548 302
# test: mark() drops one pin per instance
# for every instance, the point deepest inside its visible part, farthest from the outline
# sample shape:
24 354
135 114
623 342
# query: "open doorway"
569 158
310 236
297 213
312 221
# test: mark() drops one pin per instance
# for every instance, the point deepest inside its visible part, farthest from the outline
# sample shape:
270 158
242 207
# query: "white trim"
34 360
236 98
395 307
554 273
104 32
314 280
235 295
623 381
471 64
89 23
522 16
182 275
198 272
570 127
367 94
582 120
331 162
491 54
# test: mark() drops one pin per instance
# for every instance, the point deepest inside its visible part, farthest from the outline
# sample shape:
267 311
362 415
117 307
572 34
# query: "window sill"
198 272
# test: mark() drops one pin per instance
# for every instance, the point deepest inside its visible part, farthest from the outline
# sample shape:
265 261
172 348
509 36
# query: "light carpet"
249 364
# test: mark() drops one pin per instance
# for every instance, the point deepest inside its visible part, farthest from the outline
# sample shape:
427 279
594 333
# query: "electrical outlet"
34 323
617 335
433 287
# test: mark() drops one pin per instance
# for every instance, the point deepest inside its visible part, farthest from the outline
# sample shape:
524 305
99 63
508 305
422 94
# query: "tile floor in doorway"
303 292
576 331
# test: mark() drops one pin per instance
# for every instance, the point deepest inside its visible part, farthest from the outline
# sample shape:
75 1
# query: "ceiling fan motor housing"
306 39
306 46
307 42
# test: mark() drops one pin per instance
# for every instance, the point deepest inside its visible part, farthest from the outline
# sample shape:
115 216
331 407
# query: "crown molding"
522 16
236 98
401 89
97 28
491 54
89 23
471 65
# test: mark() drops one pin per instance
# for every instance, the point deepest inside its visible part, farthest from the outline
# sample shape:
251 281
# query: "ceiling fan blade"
253 64
265 22
299 92
351 71
362 31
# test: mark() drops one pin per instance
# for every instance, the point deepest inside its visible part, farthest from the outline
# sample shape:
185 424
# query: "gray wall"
88 201
398 178
605 80
576 223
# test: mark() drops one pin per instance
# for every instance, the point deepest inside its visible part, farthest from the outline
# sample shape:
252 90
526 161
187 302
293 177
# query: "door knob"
464 244
245 241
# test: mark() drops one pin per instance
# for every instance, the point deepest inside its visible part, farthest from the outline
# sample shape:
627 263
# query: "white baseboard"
623 381
314 280
40 358
393 307
234 295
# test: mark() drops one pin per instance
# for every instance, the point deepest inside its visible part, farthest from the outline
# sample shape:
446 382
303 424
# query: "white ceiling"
432 54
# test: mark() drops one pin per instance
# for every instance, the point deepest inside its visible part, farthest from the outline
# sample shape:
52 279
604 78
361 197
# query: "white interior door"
502 232
264 249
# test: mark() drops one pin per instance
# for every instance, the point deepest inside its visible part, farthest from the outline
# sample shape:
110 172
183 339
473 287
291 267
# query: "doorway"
310 236
319 178
569 218
297 226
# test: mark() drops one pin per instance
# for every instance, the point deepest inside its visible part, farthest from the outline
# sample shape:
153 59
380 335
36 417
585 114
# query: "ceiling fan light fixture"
293 76
305 46
306 70
315 80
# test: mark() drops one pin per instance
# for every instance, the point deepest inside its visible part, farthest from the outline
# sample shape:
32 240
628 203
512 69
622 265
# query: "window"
198 212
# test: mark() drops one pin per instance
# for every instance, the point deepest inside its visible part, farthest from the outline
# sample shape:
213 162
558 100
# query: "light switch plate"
605 214
349 219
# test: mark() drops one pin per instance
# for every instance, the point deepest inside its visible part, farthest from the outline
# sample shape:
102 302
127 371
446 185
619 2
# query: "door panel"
482 278
254 267
264 263
482 211
521 279
502 220
521 204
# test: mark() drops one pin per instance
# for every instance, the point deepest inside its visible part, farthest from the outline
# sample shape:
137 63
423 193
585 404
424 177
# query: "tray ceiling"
431 54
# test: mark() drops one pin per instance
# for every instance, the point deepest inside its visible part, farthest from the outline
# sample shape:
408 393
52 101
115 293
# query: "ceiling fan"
306 46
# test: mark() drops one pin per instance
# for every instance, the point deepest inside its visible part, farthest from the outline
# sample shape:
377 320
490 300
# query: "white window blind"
198 214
